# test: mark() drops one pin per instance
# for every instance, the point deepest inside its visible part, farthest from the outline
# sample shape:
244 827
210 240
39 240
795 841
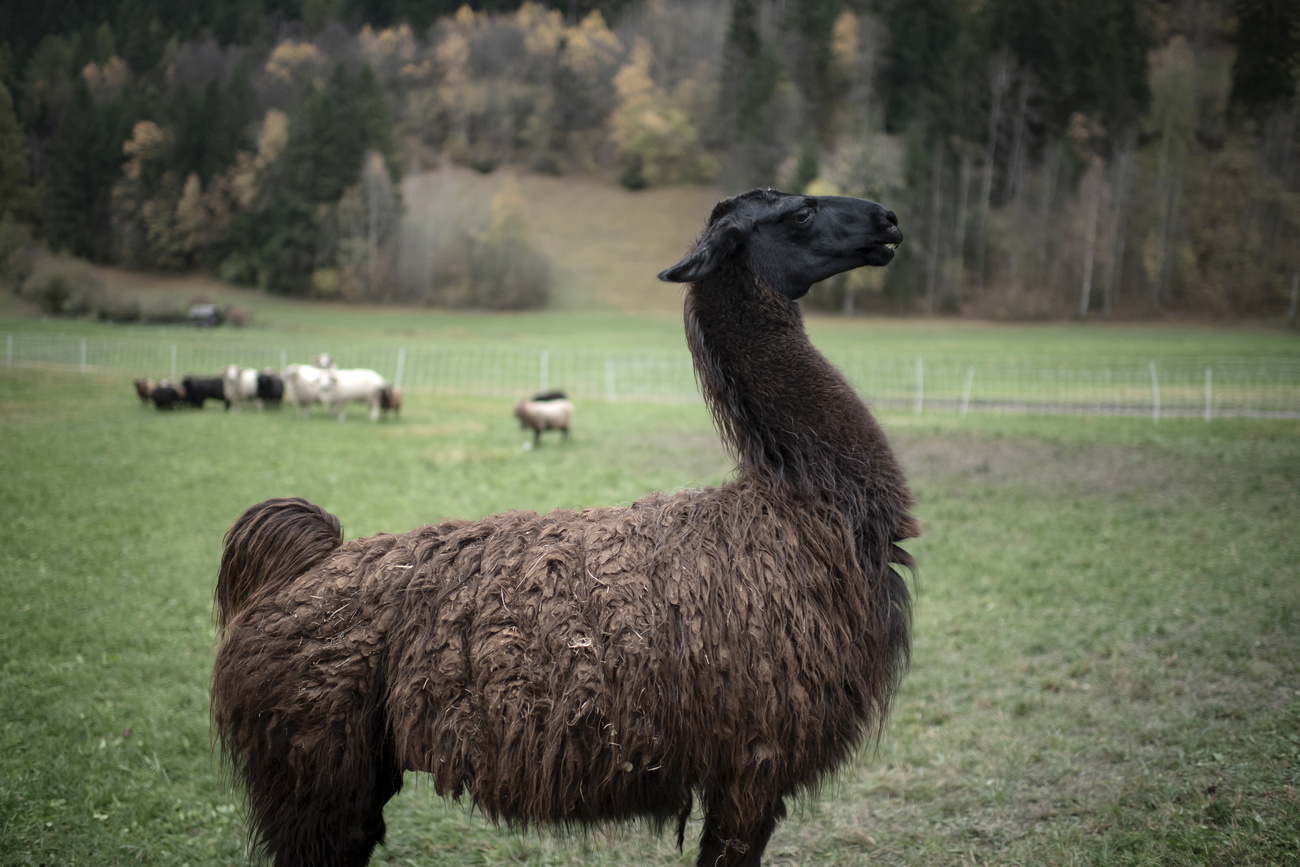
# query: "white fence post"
1155 392
83 355
9 350
173 365
611 394
544 364
401 364
920 387
965 395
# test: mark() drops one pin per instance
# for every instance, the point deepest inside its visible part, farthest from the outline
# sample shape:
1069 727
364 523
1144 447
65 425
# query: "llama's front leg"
733 840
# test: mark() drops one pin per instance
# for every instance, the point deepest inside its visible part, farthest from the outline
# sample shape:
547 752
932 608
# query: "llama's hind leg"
330 813
732 840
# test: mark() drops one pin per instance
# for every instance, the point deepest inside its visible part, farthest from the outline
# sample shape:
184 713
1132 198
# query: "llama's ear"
721 240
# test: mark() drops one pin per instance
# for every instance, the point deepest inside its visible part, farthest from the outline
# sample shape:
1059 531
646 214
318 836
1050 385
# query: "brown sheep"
143 388
731 644
390 400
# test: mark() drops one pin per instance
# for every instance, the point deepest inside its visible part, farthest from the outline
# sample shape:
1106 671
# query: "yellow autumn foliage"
652 130
589 46
292 60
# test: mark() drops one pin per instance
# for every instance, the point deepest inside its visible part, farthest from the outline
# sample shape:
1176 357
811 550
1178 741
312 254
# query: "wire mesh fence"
1183 386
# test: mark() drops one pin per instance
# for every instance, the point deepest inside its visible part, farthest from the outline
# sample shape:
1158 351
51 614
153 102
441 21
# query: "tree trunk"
1016 167
999 78
1092 190
1118 223
1295 297
1168 233
958 253
936 227
1051 167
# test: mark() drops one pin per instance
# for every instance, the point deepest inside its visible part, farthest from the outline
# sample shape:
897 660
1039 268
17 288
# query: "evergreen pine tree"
750 73
85 161
810 23
17 196
328 138
924 33
1267 67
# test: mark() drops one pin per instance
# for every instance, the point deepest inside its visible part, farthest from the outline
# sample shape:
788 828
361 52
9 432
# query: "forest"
1049 159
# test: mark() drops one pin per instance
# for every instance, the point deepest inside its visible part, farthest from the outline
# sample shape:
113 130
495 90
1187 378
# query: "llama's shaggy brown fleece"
733 643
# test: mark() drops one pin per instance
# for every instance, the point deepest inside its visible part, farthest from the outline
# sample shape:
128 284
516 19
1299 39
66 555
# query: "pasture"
1106 667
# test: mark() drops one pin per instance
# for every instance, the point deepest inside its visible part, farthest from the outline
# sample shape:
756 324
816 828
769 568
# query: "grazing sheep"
165 395
143 389
302 384
270 388
550 395
340 387
197 390
732 644
551 414
240 386
390 400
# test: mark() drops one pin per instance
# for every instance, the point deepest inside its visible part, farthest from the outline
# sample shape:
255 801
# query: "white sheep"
302 386
240 384
543 415
339 387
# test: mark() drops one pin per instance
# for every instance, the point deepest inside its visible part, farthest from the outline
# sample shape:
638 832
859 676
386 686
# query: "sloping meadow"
1106 663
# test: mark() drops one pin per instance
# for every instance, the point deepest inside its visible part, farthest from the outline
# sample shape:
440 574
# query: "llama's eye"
802 217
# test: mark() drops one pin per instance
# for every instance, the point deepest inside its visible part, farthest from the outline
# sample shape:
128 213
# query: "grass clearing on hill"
1107 648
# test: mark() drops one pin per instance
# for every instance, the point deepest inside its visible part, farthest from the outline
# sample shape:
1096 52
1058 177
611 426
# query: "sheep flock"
323 383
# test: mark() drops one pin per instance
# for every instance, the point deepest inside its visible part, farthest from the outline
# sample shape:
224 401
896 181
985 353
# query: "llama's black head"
789 242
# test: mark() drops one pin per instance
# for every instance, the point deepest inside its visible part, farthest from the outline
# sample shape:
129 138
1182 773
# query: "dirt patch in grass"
1087 469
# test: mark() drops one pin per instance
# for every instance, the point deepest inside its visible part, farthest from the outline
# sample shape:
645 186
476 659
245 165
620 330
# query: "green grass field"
1107 636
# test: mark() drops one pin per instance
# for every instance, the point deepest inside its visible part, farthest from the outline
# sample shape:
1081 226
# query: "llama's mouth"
880 254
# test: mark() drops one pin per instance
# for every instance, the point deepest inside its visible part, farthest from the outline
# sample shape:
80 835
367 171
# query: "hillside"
605 243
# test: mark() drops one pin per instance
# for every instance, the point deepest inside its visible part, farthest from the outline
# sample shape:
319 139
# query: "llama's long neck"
797 425
787 413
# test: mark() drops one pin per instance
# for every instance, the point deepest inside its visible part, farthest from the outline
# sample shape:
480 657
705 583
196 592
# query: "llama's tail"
270 545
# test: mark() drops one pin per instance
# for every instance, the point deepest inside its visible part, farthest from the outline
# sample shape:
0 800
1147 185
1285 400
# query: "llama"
547 411
732 645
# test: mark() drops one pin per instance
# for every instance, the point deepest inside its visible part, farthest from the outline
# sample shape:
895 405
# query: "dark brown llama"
733 644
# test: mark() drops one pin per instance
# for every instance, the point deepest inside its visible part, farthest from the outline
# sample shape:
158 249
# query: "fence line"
1168 387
